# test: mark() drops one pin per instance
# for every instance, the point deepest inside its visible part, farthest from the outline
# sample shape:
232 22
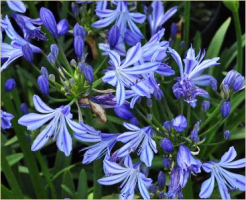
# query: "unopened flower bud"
166 145
123 112
54 50
180 123
43 85
52 77
134 121
24 108
62 27
166 162
227 134
149 103
239 83
153 188
72 81
174 30
10 84
78 46
75 9
113 36
161 180
168 125
225 109
49 21
213 83
27 53
51 58
149 116
79 31
44 72
205 105
73 63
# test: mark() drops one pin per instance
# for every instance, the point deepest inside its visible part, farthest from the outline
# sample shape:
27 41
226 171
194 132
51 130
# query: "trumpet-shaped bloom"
226 180
130 175
123 18
158 17
121 75
30 27
138 138
59 118
191 75
5 119
11 52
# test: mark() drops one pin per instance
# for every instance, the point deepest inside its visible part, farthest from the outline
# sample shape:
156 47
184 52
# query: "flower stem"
187 22
100 66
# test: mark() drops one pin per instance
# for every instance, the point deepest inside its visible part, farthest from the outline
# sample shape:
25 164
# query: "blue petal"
235 164
143 69
17 6
33 121
64 139
76 127
120 93
133 27
104 13
223 190
142 188
207 188
127 136
110 180
115 57
228 156
133 55
202 80
87 137
138 17
114 168
177 59
147 156
40 106
165 70
106 21
110 77
131 127
141 89
168 14
189 65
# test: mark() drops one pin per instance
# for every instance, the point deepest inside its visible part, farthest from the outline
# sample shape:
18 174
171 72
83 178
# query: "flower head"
130 175
226 180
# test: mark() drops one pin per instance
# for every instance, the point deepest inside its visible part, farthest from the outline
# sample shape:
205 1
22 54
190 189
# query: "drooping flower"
5 120
59 119
190 75
17 6
138 138
11 52
121 75
226 180
130 175
158 17
30 27
123 18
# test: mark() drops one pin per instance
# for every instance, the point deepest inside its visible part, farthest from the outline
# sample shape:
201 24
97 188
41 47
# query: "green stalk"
46 173
169 113
10 176
97 173
239 42
100 66
188 117
186 23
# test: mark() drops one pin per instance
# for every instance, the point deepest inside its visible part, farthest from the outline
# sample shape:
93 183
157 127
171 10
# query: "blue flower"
190 75
138 138
226 180
121 75
30 27
10 85
57 127
234 81
5 120
179 123
17 6
130 175
122 16
11 52
158 17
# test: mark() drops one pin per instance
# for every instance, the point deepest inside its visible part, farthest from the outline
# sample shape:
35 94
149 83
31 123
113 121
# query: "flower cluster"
133 71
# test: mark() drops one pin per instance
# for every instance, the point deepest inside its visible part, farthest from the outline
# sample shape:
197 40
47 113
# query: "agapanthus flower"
121 75
122 16
59 119
11 52
103 143
158 17
17 6
190 75
226 180
5 120
30 27
130 175
140 140
234 81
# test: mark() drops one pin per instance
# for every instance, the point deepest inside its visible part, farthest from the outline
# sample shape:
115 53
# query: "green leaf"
68 185
6 193
188 190
238 134
97 173
11 141
14 158
232 5
217 41
197 41
82 189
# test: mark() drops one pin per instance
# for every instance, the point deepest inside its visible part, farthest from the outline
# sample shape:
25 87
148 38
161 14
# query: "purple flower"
59 118
166 145
194 133
27 53
124 112
161 180
62 27
130 175
138 138
113 36
121 75
79 31
9 85
168 125
179 123
43 85
158 17
225 109
226 180
122 16
44 72
5 120
78 46
166 162
30 27
11 52
87 71
227 134
49 21
17 6
174 30
190 75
